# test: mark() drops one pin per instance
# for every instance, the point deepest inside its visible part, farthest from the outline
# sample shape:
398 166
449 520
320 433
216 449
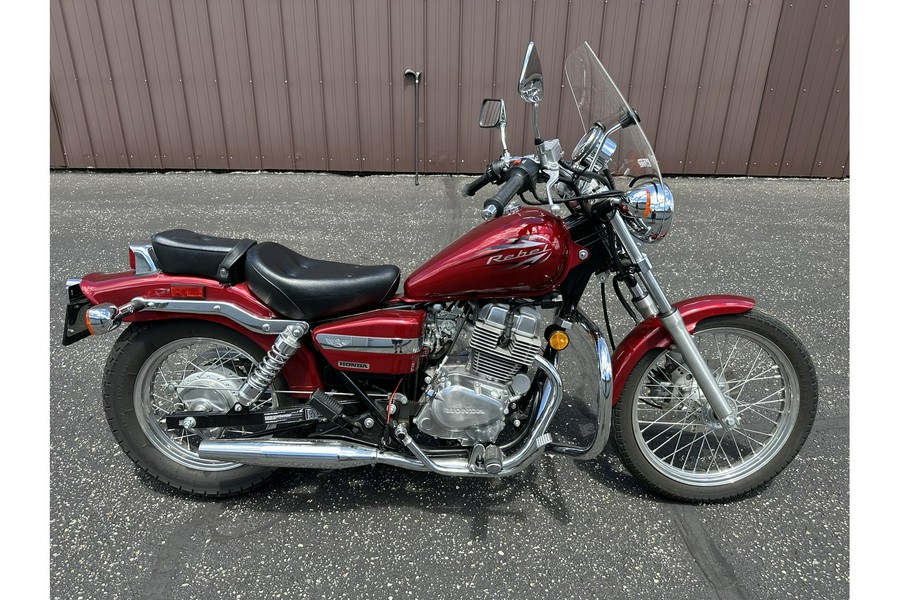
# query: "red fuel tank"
526 253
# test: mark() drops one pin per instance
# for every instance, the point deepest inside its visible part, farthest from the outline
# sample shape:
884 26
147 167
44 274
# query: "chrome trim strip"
380 345
225 309
145 261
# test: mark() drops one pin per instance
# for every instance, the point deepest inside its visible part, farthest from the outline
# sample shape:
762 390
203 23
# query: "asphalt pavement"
561 529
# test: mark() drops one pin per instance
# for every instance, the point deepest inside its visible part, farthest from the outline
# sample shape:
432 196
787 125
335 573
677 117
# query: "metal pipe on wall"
417 75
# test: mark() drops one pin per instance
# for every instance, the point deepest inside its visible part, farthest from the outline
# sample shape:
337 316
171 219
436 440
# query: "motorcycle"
243 357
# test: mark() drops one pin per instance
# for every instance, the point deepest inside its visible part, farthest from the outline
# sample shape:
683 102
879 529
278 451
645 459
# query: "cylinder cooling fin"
504 341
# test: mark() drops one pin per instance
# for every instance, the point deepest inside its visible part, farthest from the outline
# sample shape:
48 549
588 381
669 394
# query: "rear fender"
302 371
650 333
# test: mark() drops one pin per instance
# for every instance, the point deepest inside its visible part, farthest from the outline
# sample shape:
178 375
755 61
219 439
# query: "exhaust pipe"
303 454
335 454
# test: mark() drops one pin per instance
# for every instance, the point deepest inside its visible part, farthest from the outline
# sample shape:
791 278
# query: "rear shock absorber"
264 373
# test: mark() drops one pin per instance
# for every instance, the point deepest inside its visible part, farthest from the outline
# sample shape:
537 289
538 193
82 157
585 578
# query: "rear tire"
173 366
665 431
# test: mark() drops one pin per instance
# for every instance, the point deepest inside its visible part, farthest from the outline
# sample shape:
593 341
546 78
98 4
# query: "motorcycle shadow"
533 494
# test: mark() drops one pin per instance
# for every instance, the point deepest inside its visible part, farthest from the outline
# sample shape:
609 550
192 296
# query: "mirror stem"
534 125
506 154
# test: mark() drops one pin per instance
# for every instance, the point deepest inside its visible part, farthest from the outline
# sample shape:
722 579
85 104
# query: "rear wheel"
668 435
161 368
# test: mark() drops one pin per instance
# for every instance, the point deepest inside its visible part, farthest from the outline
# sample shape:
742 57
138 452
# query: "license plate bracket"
75 325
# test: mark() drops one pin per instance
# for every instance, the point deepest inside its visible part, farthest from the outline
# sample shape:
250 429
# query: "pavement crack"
170 560
822 424
706 553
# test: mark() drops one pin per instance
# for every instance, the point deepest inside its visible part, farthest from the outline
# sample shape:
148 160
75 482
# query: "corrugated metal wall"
731 87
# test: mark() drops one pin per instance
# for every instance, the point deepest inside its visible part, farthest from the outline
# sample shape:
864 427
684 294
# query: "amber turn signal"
559 340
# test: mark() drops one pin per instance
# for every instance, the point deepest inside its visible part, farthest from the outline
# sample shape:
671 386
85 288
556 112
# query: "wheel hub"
209 391
697 408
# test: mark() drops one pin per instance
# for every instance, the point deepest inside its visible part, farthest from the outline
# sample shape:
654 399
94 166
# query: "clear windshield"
599 100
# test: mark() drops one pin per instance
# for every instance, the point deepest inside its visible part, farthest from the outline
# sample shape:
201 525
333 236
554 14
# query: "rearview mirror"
493 113
531 81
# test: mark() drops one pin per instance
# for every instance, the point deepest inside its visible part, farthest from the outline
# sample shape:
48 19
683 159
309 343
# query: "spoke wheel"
157 369
193 374
669 436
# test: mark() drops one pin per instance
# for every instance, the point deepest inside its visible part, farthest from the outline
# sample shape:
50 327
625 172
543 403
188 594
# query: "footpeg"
325 405
493 459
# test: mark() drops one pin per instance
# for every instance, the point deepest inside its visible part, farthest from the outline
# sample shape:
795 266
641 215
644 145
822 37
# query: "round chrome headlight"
650 210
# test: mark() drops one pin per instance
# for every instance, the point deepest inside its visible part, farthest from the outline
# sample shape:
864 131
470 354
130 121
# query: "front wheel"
668 436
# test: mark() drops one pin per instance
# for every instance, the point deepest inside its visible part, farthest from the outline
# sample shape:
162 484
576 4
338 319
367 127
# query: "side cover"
382 341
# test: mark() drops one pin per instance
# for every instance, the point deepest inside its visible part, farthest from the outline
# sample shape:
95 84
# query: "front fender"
650 333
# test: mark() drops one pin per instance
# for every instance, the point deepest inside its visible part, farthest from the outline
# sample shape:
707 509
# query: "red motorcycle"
244 357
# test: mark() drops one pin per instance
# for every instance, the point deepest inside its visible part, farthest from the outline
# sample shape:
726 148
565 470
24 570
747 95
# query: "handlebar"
493 173
518 179
476 185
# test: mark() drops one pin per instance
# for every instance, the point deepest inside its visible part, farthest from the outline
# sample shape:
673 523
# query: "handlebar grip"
518 180
476 185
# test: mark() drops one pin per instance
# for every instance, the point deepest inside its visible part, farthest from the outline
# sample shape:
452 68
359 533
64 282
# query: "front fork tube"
724 408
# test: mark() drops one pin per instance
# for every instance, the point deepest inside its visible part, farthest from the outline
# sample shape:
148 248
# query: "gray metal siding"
733 87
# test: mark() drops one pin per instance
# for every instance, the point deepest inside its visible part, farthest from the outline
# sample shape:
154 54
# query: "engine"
469 394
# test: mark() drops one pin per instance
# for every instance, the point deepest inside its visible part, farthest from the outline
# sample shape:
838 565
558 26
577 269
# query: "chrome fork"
724 407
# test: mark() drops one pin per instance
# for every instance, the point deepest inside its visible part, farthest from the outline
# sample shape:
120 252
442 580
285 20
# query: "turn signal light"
188 291
559 340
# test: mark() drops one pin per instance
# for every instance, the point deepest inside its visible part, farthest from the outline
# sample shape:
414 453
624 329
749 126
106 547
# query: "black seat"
183 252
304 288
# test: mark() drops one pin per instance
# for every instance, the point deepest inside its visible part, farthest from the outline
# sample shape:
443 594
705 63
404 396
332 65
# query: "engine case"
469 395
466 408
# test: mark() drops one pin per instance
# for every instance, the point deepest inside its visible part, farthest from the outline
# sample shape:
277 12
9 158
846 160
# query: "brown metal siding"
199 84
66 94
789 56
832 148
723 42
305 84
129 82
749 81
754 87
476 71
584 23
442 30
372 28
87 43
156 34
682 82
651 59
269 74
808 123
407 48
57 155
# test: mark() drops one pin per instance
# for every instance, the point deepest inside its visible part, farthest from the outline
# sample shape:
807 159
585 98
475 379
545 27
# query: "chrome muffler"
302 454
336 454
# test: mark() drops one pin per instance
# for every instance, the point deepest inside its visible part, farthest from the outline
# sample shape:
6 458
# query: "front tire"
670 440
173 366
